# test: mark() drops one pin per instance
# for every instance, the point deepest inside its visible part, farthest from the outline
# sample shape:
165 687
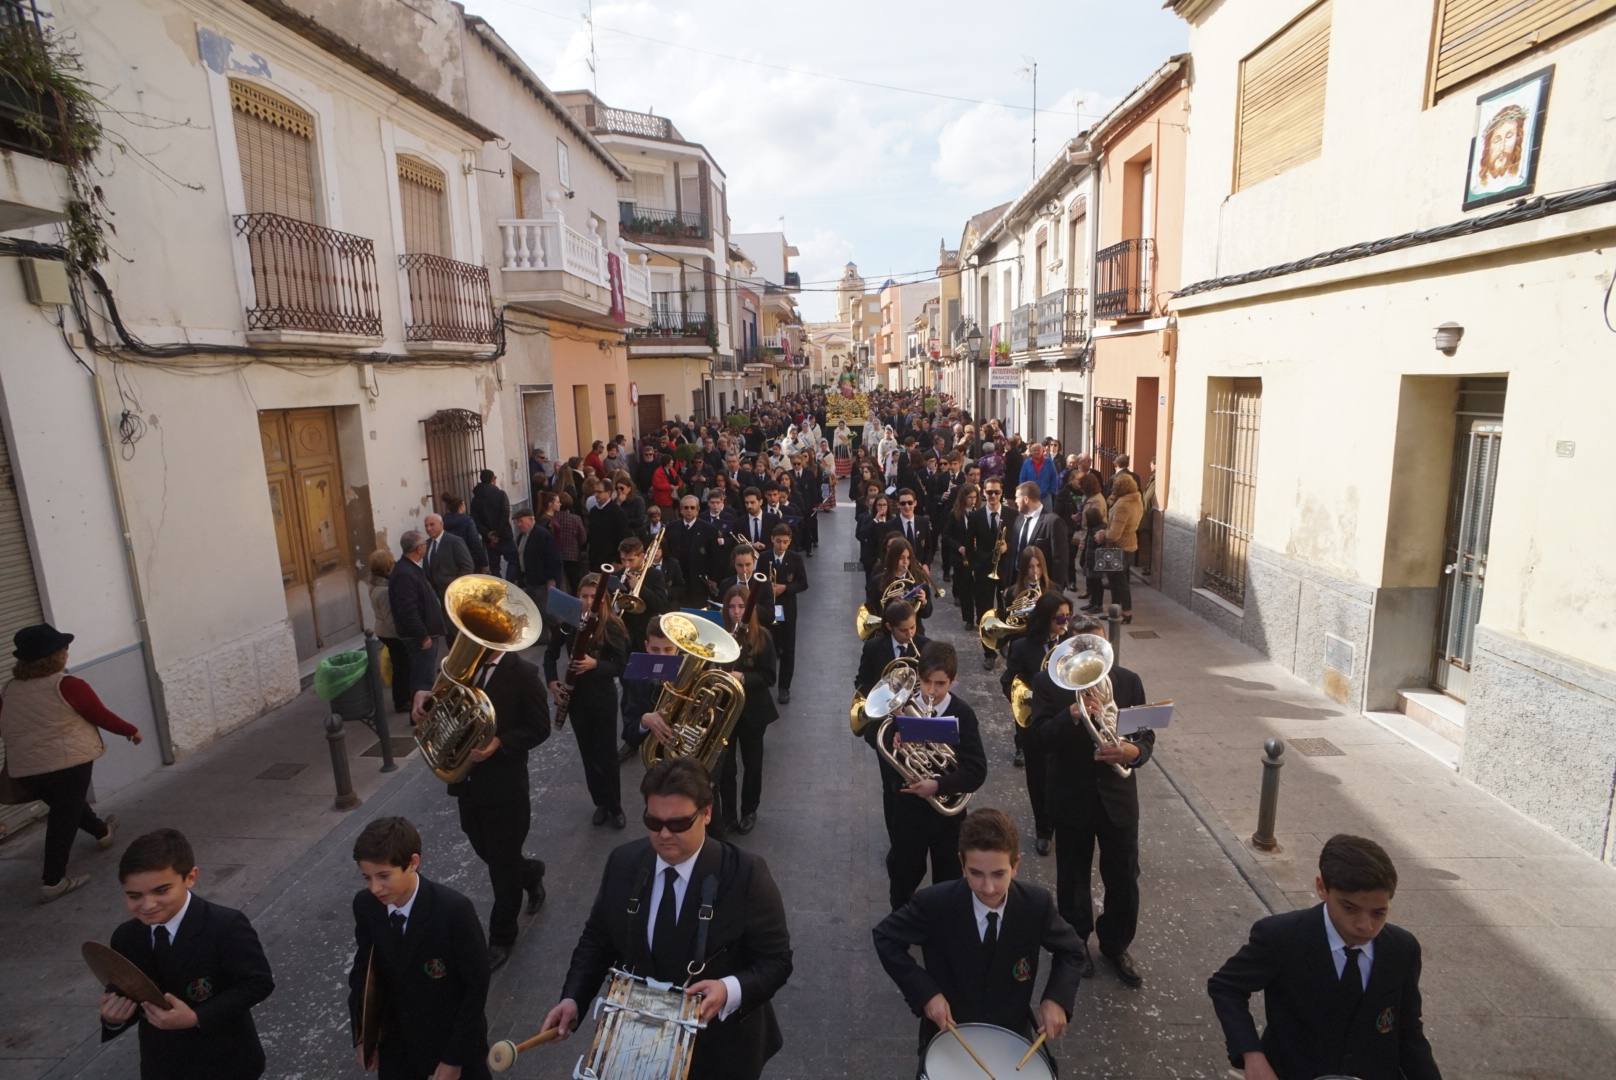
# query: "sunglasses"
673 825
1063 618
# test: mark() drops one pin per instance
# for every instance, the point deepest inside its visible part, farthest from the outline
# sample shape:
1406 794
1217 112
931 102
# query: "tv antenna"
592 63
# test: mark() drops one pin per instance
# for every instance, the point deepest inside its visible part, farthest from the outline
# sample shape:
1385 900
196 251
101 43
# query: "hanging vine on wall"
47 108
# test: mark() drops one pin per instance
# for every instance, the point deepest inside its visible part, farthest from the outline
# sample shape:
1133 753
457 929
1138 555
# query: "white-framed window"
563 165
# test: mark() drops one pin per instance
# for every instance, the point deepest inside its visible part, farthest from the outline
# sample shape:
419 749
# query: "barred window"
1229 485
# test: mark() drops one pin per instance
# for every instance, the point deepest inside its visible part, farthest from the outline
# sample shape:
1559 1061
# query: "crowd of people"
621 546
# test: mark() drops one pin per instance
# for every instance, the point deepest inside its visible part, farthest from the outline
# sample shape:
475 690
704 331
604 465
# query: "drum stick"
543 1037
1031 1050
953 1030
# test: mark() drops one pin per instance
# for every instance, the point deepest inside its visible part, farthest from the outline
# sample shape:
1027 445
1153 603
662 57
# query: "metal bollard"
336 739
380 699
1113 630
1268 804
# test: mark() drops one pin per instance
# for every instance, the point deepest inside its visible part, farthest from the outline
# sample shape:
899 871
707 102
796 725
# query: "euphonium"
994 630
701 703
899 692
1082 662
857 718
628 602
491 616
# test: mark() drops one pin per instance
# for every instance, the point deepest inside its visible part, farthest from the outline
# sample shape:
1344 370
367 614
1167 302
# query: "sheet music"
1138 717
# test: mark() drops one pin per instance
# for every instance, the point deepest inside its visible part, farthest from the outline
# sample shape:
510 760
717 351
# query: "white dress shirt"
681 886
981 910
1338 951
173 924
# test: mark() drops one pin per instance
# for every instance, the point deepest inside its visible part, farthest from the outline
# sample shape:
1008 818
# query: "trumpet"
1000 546
1083 662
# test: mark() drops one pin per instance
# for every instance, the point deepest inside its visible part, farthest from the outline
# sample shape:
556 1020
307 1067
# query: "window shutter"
421 200
19 606
275 141
1281 122
648 190
1474 36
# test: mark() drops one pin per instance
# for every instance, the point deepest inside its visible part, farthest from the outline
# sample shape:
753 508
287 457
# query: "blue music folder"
710 614
935 729
652 667
563 608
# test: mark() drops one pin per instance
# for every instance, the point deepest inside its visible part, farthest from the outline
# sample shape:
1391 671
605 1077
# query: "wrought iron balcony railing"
676 324
656 223
1123 279
449 300
308 277
1021 329
31 122
1061 319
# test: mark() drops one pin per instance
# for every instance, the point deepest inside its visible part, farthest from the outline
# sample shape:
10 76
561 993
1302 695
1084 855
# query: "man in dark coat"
1037 525
416 613
606 524
491 510
645 920
447 556
458 522
690 543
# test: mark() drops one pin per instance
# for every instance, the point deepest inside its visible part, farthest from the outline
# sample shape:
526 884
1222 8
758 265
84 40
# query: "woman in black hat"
49 722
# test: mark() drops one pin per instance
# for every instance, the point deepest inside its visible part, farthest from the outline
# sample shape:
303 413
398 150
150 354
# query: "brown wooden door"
651 414
306 497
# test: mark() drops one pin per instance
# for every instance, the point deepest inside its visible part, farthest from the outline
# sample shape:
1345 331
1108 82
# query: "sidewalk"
1518 926
251 804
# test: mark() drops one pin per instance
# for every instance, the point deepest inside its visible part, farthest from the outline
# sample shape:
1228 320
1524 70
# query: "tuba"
867 622
897 692
491 616
701 703
1079 663
994 630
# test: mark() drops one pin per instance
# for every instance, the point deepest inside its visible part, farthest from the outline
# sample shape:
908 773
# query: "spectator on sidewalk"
1040 469
417 615
458 522
49 722
571 541
491 510
1121 463
1122 531
447 556
1359 1016
212 976
381 608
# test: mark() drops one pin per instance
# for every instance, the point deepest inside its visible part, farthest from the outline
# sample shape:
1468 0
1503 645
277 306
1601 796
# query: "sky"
854 171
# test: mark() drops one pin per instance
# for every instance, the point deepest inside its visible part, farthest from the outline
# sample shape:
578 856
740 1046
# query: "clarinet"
584 643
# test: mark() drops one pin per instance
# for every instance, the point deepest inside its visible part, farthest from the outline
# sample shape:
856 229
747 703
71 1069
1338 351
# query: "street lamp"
973 342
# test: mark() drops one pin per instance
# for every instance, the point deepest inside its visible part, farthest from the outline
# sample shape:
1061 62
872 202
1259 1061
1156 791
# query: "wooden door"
651 414
306 498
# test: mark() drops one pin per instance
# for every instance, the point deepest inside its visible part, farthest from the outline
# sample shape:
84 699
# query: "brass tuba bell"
898 692
1083 662
491 616
701 704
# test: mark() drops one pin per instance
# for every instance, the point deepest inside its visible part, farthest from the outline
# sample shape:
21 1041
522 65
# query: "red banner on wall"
614 274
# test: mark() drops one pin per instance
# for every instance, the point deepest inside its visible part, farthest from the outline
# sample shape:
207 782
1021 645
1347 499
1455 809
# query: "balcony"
1021 329
1123 279
1060 320
668 328
653 224
308 280
552 269
604 120
450 301
793 280
32 181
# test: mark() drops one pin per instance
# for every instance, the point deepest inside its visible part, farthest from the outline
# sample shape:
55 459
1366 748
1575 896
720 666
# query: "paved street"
285 859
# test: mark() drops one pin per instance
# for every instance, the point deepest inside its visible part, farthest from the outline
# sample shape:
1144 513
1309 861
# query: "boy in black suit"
495 811
431 963
789 575
668 884
203 957
1341 985
915 830
979 940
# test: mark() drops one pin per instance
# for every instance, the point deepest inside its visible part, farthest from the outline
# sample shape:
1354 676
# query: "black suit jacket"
434 983
491 510
980 540
521 721
217 967
606 527
979 989
747 939
1310 1030
595 690
876 655
1049 533
757 672
969 774
925 543
743 525
416 611
451 560
765 610
792 572
692 547
536 558
1074 777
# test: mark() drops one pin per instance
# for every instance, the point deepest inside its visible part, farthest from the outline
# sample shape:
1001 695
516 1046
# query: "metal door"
1466 564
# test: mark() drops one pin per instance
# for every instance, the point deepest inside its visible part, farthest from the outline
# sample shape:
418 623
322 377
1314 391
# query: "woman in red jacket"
49 722
664 482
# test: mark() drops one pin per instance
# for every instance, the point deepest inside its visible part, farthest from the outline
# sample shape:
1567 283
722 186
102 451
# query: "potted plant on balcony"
1001 353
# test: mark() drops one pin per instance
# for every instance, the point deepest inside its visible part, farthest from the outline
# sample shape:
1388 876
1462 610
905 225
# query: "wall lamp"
1447 338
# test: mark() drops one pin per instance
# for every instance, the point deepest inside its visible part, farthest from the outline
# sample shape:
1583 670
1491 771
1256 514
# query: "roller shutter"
1281 121
1475 36
19 607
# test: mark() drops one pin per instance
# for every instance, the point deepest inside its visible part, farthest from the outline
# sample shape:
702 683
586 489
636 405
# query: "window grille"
1112 436
1234 416
454 452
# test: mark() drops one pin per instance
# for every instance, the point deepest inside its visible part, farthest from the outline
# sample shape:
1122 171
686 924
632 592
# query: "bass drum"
999 1048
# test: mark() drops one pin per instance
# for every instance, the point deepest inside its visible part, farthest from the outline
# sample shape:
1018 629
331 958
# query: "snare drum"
643 1031
999 1048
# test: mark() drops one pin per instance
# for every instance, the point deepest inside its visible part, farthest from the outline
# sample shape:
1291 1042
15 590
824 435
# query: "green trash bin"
340 680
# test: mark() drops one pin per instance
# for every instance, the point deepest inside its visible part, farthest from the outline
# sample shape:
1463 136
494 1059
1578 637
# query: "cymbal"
112 968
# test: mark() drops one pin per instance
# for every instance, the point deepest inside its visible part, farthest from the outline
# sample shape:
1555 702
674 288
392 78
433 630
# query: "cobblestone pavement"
820 829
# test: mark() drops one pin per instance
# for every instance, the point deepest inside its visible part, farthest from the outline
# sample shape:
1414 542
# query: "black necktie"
665 930
993 521
909 530
397 920
990 940
160 949
1352 987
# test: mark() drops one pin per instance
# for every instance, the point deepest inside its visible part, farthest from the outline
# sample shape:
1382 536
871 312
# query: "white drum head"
999 1049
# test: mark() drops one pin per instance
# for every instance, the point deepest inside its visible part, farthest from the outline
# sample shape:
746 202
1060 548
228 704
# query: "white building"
1392 439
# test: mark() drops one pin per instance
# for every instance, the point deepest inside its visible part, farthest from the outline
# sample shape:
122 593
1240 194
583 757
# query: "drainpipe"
159 701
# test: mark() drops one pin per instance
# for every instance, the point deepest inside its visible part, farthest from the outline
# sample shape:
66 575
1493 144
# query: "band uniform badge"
1386 1020
1022 970
435 969
199 990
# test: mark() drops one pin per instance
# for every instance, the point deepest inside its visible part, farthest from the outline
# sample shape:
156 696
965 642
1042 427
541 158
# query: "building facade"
1392 411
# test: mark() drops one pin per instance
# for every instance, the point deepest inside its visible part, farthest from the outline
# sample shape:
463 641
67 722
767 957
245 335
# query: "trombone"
1083 662
627 601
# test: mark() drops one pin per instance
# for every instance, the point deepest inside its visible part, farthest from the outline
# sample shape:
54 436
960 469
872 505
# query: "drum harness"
704 918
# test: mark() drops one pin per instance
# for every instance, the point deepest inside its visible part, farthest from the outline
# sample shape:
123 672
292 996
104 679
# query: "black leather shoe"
626 751
1019 760
1042 846
1085 962
987 663
1122 964
600 816
497 955
785 697
535 892
618 820
747 823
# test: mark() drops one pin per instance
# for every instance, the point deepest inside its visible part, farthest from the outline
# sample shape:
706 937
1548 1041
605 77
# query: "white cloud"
987 150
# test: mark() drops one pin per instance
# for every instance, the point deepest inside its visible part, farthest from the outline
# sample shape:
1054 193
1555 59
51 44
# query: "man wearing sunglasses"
682 907
983 527
914 526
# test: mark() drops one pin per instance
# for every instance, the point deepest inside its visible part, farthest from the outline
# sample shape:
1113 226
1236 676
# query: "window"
690 197
1229 486
1078 271
611 410
422 203
1475 36
648 190
275 141
1281 113
563 165
1040 261
454 452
